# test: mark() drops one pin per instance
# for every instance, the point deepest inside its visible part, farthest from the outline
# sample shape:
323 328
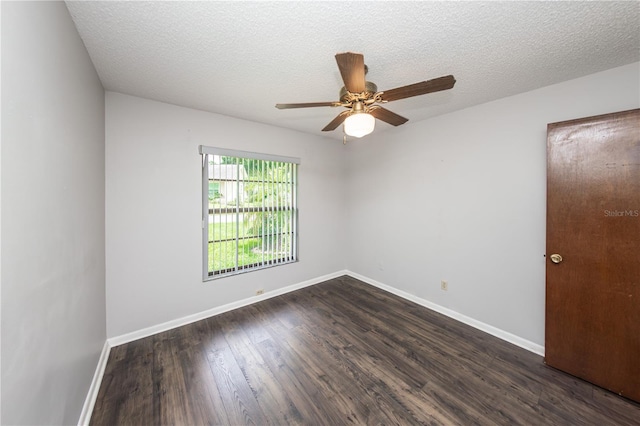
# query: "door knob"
556 258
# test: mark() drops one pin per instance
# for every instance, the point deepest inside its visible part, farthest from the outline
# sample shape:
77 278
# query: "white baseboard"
155 329
494 331
504 335
90 400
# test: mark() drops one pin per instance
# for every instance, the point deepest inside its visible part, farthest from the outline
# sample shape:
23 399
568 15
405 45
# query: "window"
249 211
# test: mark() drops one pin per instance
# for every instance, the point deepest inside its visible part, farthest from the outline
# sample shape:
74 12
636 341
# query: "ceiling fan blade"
336 121
387 116
422 88
351 67
306 105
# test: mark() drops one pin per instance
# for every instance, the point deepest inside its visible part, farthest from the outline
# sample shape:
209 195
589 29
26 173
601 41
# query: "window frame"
292 255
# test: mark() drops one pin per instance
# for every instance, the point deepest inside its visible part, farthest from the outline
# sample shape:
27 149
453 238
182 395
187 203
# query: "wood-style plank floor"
337 353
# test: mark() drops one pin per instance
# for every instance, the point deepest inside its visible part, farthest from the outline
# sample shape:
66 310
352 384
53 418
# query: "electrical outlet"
444 286
259 292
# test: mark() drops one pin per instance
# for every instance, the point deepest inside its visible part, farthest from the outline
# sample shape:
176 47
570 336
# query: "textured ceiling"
241 58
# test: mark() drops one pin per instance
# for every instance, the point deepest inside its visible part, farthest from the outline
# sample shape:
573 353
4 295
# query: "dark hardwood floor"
342 352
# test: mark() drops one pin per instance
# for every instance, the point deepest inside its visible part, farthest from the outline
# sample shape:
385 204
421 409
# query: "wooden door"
593 222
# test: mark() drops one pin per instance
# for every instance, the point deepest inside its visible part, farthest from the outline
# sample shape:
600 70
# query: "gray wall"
461 197
53 267
153 210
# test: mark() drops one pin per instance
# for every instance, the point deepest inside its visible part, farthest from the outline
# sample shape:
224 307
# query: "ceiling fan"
361 97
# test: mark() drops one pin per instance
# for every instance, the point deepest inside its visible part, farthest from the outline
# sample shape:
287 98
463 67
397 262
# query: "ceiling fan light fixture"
359 124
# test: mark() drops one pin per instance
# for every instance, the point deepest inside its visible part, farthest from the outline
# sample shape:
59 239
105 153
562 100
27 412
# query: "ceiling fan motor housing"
370 89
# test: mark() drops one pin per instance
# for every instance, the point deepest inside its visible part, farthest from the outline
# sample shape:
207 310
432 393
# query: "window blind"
249 211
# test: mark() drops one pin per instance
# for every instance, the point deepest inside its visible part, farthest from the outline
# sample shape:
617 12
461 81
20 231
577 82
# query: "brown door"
593 222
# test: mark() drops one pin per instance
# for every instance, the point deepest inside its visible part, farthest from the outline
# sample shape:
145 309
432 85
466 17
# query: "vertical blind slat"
262 215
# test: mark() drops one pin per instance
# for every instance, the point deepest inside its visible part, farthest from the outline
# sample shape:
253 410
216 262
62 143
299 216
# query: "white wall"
53 285
153 210
462 197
